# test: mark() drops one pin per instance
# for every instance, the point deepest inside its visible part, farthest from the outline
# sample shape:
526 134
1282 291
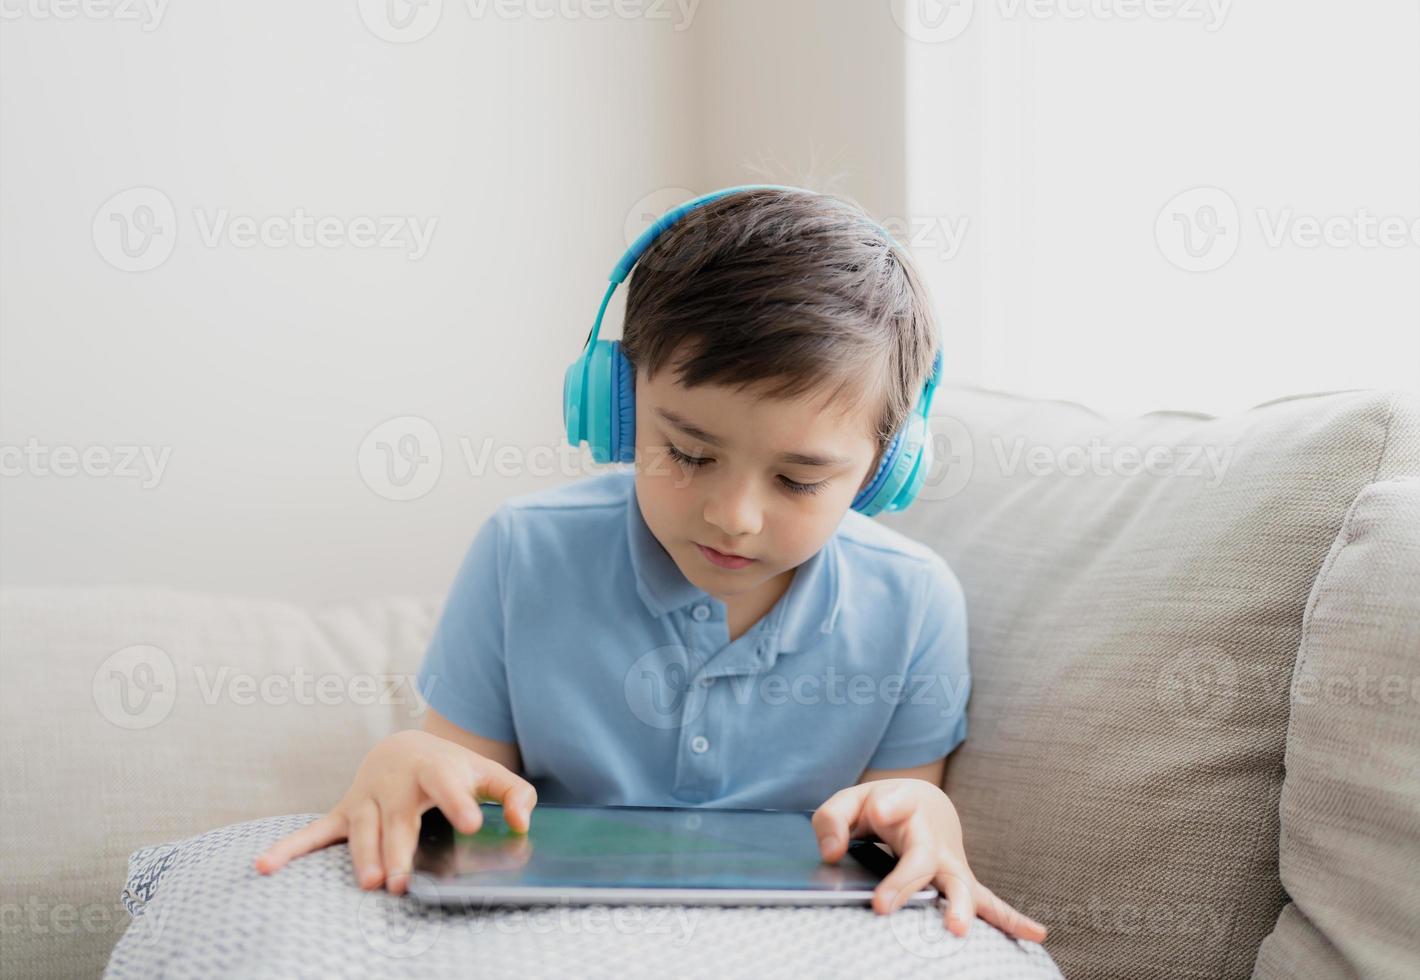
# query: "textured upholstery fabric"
91 770
203 912
1133 634
1350 848
1133 640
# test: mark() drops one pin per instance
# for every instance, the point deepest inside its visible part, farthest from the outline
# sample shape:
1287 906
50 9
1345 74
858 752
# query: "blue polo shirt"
569 630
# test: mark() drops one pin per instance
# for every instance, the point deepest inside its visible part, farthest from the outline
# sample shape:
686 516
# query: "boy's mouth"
723 560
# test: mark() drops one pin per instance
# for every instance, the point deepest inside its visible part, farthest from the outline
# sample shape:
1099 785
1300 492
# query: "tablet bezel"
430 889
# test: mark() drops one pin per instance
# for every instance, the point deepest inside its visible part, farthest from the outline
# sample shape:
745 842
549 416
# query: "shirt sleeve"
929 719
464 673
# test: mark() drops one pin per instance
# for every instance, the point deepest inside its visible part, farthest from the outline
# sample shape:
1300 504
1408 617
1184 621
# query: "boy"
716 628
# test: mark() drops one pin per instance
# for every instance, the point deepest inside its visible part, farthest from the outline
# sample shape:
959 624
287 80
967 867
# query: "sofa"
1194 729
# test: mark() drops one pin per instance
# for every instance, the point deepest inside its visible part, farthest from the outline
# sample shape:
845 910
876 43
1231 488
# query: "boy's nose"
734 510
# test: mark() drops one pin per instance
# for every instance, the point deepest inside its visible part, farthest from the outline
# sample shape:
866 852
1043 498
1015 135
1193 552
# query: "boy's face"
745 499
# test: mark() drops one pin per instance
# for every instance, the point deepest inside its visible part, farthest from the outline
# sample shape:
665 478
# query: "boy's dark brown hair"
782 292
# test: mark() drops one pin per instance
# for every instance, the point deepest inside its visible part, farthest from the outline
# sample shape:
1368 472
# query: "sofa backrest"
136 716
1136 592
1350 844
1133 639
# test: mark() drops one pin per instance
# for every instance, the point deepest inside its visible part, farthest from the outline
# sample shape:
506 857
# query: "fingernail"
830 842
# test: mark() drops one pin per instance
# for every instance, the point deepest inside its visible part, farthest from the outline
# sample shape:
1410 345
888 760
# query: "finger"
319 833
886 810
914 870
365 844
451 794
898 820
399 831
961 909
1006 918
518 796
837 819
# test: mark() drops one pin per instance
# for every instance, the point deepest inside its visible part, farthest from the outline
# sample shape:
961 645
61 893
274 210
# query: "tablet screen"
645 847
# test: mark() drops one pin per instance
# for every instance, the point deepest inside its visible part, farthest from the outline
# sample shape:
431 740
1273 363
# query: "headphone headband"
643 241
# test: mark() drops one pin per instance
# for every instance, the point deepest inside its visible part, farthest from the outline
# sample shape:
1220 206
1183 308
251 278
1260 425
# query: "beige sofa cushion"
131 716
1133 635
1106 785
1350 850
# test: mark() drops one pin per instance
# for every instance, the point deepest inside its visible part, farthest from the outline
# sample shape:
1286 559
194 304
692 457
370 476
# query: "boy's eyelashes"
793 486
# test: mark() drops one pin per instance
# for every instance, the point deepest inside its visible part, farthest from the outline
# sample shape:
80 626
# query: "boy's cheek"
664 509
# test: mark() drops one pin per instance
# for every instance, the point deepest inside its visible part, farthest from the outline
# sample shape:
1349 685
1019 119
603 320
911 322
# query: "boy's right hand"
400 778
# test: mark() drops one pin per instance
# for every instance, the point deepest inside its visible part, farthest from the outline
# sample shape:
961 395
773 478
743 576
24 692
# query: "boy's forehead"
831 412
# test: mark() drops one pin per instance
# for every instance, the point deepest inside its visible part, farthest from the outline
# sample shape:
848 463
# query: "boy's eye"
793 486
683 459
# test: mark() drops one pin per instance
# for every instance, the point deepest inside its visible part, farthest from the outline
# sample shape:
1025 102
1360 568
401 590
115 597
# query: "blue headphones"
599 394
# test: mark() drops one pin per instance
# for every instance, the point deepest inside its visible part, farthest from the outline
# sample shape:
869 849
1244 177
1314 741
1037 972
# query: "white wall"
1061 129
808 92
538 146
263 368
1025 157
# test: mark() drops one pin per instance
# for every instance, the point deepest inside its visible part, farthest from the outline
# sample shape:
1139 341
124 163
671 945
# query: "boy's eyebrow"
800 459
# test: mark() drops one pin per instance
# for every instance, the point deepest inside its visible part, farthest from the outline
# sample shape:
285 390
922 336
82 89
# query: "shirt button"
699 744
701 613
706 681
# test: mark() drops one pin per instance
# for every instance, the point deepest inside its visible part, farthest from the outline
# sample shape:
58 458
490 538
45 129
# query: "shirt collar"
808 609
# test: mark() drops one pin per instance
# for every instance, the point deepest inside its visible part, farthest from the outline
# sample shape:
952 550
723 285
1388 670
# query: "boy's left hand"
919 823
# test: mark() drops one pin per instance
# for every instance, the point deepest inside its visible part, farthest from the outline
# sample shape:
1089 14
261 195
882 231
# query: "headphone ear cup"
870 499
597 406
916 460
900 475
573 416
623 415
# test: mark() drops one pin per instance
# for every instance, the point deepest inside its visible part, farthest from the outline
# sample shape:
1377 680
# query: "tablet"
643 855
